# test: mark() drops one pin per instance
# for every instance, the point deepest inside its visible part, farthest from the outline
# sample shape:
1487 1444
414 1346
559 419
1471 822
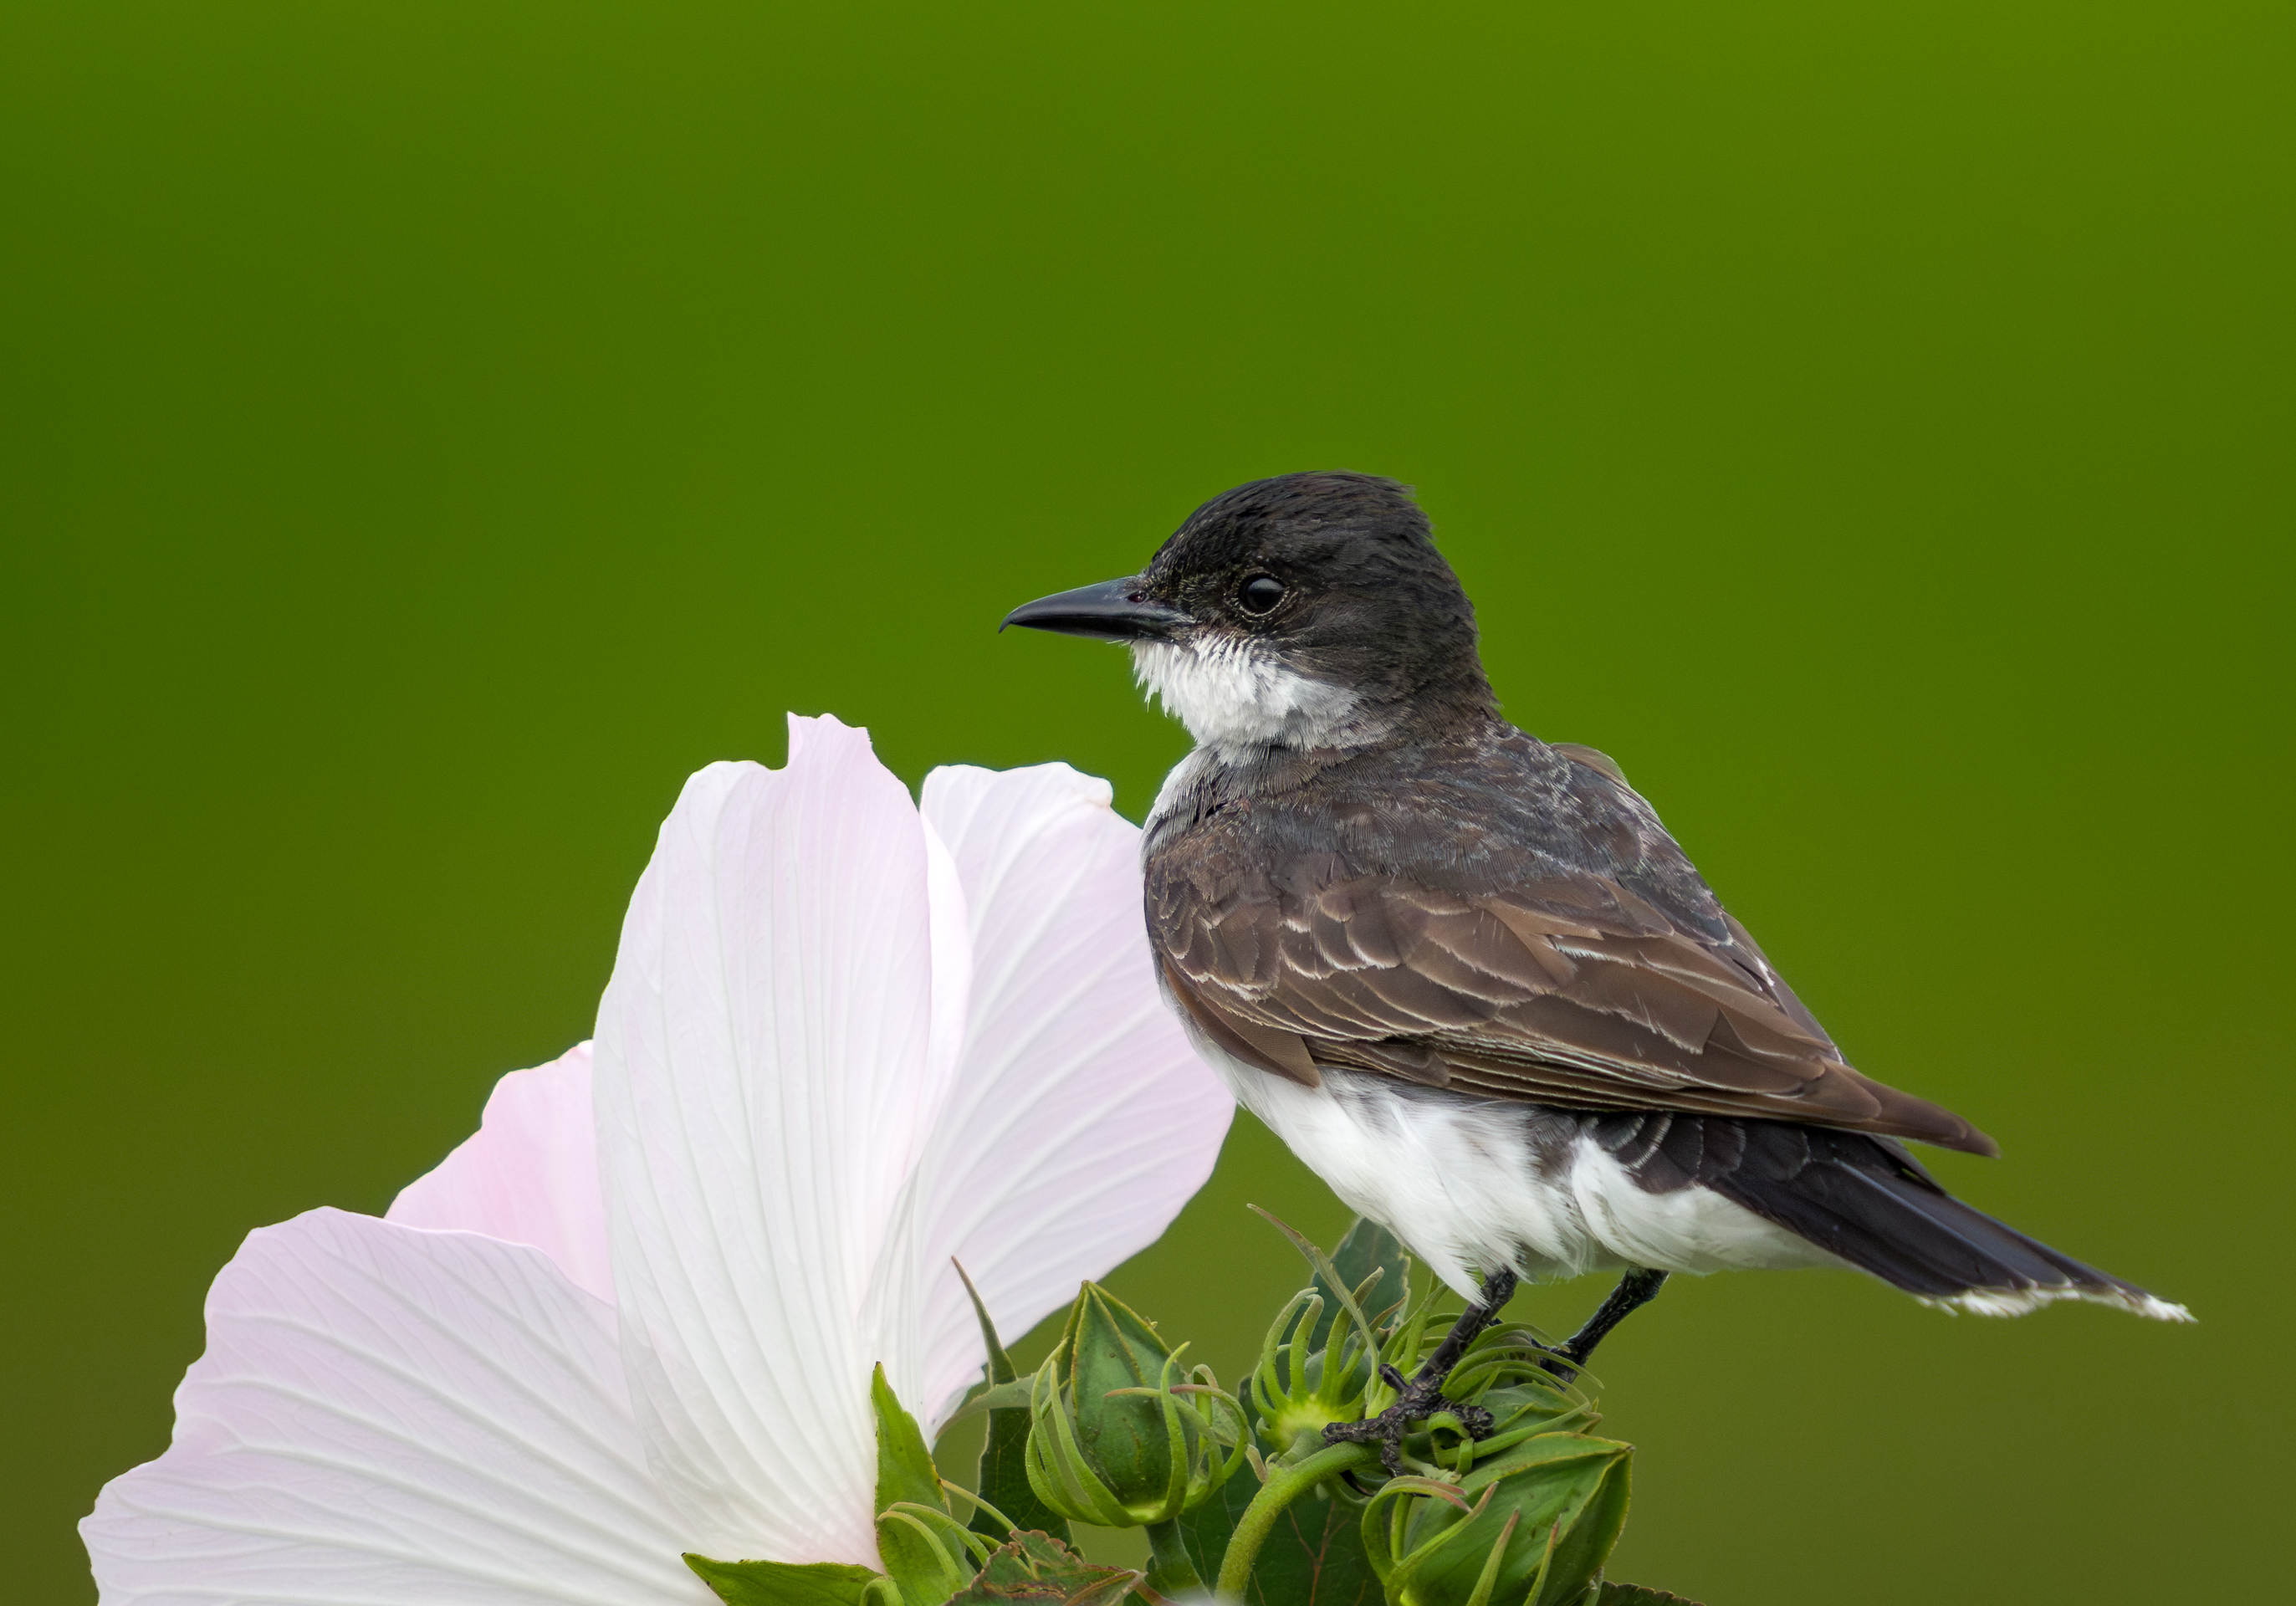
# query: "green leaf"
1000 1365
1635 1594
1004 1454
783 1583
916 1536
905 1467
1038 1568
1005 1481
1313 1557
1367 1247
1319 1265
1582 1546
985 1397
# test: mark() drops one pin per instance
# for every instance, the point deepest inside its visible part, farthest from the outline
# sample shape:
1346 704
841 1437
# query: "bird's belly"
1471 1184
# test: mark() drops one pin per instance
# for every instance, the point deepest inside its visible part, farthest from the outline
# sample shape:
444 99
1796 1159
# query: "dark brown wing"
1570 990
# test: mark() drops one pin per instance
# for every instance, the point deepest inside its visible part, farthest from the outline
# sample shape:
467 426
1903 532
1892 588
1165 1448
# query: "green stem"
1169 1571
1284 1486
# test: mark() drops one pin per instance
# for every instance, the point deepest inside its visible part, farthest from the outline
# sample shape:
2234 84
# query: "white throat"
1233 693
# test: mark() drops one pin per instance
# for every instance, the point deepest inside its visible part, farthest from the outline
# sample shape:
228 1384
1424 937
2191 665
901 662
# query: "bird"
1468 977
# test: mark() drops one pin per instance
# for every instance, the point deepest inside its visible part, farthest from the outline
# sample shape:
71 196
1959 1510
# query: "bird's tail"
1868 1201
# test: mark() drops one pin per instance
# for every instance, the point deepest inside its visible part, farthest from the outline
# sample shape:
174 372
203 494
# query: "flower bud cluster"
1496 1496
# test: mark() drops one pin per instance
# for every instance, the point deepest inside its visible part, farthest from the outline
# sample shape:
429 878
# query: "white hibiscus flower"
636 1314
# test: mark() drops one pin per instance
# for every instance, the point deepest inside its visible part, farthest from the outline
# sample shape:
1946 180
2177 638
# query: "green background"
434 427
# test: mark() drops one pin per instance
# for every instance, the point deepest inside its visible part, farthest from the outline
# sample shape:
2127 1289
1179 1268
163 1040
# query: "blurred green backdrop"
435 427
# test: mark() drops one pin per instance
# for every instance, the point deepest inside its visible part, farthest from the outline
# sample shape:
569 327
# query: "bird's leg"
1636 1289
1421 1395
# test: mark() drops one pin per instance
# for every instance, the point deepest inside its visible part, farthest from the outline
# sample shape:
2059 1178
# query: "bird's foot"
1563 1362
1415 1401
1636 1289
1421 1397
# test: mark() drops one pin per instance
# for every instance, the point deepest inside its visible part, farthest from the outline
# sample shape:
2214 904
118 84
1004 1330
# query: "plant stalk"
1169 1571
1284 1486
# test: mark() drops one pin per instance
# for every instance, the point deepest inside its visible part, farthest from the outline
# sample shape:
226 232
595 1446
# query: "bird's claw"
1415 1401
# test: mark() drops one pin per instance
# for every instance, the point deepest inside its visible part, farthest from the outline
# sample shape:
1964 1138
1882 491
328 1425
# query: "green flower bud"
1532 1526
1324 1355
1114 1437
1299 1392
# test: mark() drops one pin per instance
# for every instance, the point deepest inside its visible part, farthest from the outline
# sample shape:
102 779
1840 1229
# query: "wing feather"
1570 989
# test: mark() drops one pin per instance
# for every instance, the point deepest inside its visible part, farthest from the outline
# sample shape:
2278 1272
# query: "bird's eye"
1260 593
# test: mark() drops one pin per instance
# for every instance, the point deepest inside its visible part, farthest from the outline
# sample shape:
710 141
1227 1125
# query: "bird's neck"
1218 775
1246 706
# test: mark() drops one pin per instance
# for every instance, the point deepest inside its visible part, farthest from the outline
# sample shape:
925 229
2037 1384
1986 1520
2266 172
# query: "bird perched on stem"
1467 976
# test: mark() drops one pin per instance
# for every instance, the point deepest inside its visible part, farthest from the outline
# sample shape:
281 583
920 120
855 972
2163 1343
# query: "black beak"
1114 611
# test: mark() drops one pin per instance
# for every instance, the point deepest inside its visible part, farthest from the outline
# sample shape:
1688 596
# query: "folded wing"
1567 989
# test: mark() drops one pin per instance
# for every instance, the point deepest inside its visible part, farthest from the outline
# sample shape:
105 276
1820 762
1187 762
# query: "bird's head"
1309 610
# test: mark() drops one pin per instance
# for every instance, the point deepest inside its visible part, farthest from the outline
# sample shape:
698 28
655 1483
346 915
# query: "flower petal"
389 1416
529 1175
767 1074
1082 1119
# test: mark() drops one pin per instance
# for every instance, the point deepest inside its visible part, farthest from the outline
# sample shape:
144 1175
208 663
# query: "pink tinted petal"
1082 1120
766 1079
529 1175
385 1416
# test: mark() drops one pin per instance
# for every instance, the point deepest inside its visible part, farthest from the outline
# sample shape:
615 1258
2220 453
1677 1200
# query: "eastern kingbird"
1466 975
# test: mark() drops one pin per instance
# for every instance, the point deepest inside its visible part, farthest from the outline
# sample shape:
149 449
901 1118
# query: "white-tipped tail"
2022 1301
